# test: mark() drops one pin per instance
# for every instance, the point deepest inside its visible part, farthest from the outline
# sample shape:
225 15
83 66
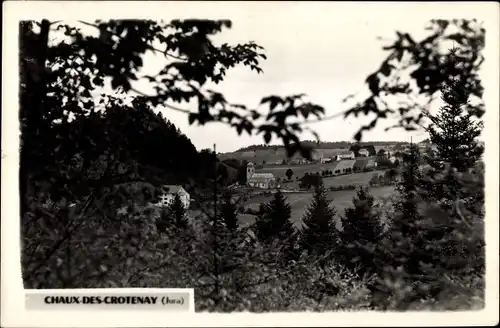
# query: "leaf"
385 69
98 81
192 118
357 136
273 101
373 83
267 137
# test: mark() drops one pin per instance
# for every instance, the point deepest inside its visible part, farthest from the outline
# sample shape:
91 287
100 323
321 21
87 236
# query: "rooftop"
259 176
343 152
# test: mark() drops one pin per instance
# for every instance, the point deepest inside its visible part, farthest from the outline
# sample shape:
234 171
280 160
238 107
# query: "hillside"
273 154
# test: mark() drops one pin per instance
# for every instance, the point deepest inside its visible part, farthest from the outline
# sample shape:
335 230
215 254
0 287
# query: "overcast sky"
327 59
323 49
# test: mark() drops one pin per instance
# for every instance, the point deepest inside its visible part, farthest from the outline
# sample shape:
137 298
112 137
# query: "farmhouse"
364 152
371 150
344 154
345 166
168 193
259 180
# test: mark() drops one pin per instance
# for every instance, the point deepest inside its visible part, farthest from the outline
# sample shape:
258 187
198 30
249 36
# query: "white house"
344 154
259 180
364 152
169 192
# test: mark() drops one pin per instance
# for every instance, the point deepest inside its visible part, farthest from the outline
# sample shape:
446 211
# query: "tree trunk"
33 56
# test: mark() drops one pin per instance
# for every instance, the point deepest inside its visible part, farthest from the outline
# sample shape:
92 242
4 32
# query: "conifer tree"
177 212
454 135
319 234
274 221
406 229
453 131
407 186
361 230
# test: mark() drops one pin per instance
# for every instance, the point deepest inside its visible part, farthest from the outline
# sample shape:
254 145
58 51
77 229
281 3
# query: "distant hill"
322 145
273 154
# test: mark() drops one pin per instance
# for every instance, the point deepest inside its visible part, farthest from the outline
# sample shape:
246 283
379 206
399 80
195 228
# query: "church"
259 180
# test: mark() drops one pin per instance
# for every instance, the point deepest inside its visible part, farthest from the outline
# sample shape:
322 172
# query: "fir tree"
454 134
361 230
453 130
406 229
407 186
177 212
274 220
319 234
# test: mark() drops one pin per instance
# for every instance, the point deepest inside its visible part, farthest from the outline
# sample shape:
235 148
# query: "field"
298 170
301 200
362 178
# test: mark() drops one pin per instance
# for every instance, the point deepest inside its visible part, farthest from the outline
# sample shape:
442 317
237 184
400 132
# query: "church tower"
250 170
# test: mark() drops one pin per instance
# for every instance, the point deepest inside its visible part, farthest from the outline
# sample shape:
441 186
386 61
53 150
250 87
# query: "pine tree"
274 221
361 230
319 234
177 212
229 212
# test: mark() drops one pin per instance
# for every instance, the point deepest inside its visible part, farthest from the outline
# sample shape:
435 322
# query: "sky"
324 50
326 59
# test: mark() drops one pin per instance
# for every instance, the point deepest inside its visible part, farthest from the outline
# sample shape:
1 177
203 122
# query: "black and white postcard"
269 163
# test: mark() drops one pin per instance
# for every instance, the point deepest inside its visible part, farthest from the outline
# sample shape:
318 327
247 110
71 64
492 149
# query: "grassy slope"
362 178
300 201
298 170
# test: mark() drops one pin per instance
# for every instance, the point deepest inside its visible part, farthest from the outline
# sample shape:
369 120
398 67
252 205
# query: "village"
342 172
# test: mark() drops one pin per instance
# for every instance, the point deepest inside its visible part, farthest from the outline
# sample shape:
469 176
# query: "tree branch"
150 47
182 110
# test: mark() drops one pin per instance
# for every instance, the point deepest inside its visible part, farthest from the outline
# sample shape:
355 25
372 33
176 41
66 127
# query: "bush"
374 180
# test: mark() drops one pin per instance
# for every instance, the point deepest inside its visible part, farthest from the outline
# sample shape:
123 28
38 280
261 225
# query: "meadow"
358 179
298 170
299 202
